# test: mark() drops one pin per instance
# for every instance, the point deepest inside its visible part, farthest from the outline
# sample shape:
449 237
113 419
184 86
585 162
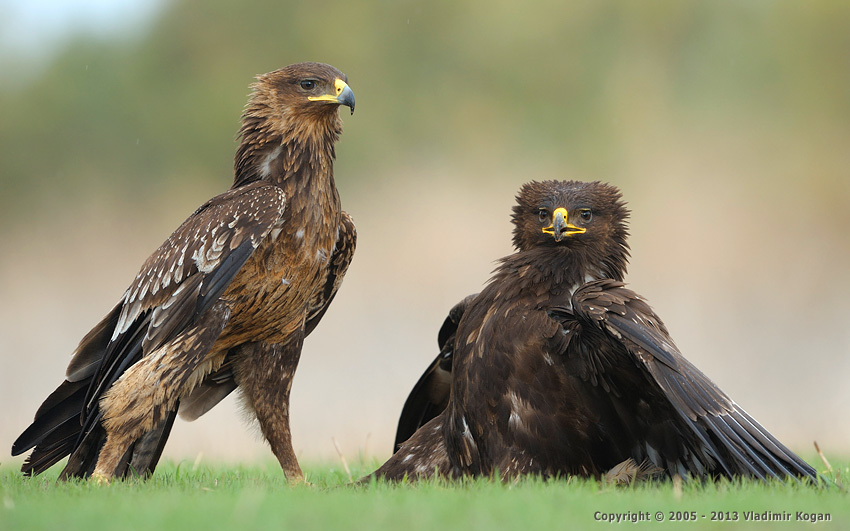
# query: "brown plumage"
224 303
556 368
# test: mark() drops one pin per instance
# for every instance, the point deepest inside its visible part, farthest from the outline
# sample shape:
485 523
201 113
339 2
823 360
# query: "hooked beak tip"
346 97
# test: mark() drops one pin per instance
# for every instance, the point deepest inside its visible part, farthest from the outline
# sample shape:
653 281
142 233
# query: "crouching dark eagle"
224 303
556 368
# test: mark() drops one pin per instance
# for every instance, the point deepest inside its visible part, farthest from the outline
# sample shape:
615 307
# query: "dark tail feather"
62 409
53 448
55 430
58 423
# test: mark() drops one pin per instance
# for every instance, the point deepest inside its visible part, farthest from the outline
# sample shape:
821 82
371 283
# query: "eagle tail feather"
62 405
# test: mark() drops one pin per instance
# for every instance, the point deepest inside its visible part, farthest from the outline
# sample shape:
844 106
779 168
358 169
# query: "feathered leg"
264 373
145 397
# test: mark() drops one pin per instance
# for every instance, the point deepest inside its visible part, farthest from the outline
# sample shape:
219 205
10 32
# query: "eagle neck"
300 161
296 149
552 270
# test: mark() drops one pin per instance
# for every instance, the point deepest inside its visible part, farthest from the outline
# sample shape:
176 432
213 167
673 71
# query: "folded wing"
717 435
174 290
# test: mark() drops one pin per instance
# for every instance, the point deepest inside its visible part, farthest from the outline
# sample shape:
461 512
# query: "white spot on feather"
129 313
143 291
299 234
218 243
514 400
202 262
514 422
266 165
614 332
467 434
157 318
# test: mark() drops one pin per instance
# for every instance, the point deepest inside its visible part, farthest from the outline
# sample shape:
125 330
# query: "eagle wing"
605 311
175 287
430 396
220 383
346 241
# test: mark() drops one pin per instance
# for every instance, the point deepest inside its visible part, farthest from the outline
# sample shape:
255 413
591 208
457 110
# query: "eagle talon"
99 479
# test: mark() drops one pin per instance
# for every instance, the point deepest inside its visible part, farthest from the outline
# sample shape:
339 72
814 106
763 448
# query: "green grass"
183 496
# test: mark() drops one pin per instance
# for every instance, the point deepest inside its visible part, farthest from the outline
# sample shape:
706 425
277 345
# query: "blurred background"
726 124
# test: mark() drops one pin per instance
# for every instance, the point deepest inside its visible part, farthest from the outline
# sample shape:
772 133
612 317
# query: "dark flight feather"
430 395
745 447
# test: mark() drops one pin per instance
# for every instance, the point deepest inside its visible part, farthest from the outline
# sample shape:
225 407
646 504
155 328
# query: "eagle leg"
111 457
148 393
264 372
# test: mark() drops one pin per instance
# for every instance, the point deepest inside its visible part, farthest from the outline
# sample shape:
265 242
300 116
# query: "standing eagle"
556 368
225 302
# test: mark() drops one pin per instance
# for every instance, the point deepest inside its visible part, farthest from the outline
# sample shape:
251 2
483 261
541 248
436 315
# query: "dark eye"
543 215
585 214
308 84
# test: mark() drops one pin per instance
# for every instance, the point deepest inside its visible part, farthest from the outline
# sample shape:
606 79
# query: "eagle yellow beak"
342 95
560 228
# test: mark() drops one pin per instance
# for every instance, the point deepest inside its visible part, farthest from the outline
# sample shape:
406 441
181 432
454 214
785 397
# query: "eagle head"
302 90
589 218
295 106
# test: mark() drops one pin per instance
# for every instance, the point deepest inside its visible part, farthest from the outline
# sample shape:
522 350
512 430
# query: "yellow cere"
571 229
563 212
551 229
339 86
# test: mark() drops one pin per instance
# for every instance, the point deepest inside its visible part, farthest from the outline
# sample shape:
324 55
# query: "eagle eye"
308 84
543 215
585 214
